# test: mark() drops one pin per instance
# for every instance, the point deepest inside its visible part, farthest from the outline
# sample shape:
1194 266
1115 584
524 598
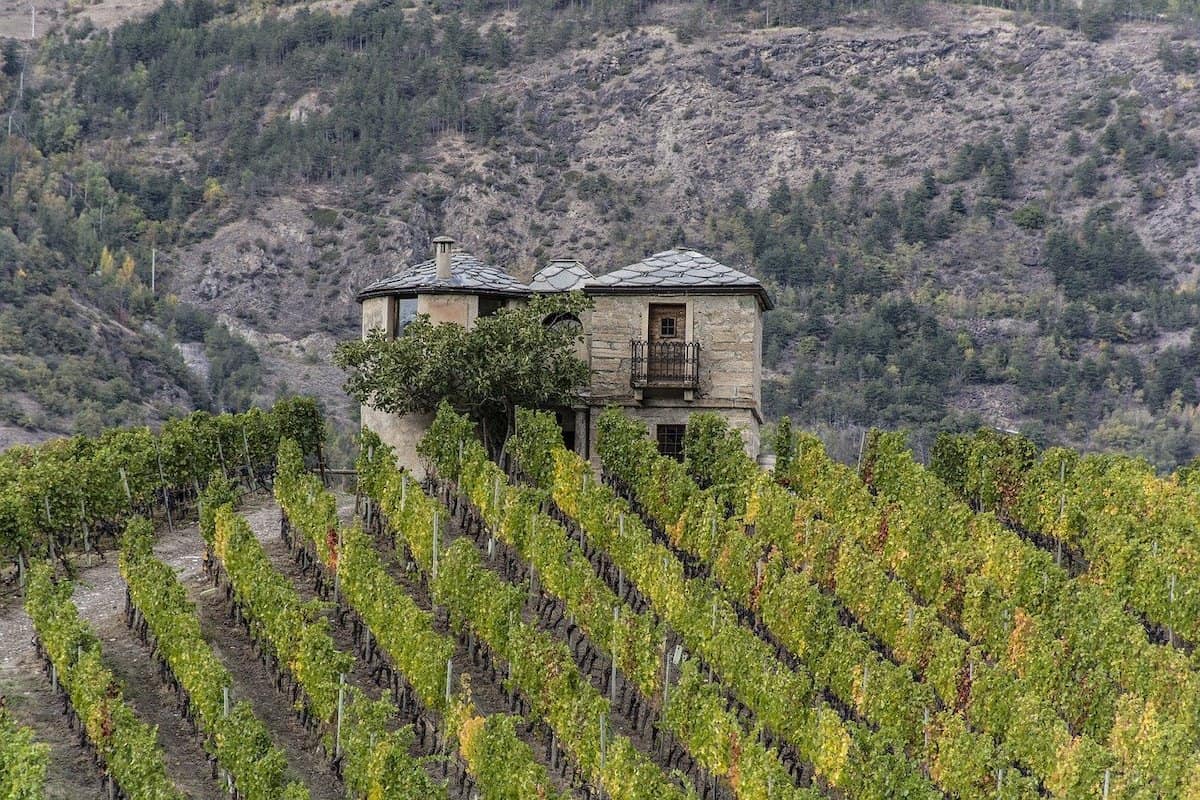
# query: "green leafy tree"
517 357
781 198
999 174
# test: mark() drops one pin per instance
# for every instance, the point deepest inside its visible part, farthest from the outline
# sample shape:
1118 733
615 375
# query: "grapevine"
756 555
501 765
780 696
72 493
974 581
158 605
539 665
374 761
697 713
127 746
23 760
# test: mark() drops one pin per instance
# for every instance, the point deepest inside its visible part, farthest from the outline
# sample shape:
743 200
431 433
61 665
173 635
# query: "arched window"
563 319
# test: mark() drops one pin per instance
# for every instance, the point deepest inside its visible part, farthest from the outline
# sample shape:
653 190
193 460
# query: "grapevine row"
23 760
501 765
156 603
848 757
748 555
134 764
72 492
296 633
838 557
695 714
374 761
540 665
1019 608
1136 532
1132 682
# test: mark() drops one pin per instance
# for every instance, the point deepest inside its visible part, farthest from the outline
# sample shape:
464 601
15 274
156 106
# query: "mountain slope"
968 216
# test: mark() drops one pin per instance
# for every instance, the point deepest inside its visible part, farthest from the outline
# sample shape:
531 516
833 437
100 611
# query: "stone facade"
462 309
377 314
728 328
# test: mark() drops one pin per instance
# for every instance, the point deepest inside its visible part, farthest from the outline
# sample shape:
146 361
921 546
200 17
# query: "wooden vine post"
341 710
162 481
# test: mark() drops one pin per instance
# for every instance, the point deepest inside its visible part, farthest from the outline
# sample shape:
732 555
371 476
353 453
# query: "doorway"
668 322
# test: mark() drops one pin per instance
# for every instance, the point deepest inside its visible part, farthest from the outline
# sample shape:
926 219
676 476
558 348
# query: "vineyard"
1005 623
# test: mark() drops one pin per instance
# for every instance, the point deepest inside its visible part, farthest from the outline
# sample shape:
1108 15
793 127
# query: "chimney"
441 256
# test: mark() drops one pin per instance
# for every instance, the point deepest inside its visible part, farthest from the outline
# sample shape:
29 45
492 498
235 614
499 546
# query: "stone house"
670 335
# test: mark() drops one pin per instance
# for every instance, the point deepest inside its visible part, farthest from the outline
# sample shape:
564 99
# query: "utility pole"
153 262
20 92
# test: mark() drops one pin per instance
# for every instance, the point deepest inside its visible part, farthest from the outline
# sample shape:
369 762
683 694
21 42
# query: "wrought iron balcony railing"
665 364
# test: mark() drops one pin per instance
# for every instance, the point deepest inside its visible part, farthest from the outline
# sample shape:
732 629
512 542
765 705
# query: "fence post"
125 483
86 533
337 572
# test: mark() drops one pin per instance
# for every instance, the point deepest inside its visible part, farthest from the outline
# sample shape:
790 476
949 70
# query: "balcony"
670 365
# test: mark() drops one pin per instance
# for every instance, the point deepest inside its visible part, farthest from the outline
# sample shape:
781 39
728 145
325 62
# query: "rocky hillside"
969 216
642 123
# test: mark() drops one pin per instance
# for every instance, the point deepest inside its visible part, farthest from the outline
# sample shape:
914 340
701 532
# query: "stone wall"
728 328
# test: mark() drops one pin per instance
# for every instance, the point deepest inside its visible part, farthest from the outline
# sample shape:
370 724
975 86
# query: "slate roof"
680 269
561 275
468 275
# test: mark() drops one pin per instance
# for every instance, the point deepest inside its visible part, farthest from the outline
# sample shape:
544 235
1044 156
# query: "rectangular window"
406 312
490 305
670 440
668 327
